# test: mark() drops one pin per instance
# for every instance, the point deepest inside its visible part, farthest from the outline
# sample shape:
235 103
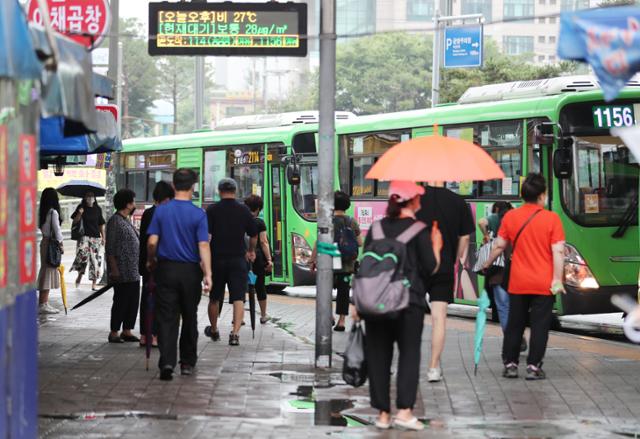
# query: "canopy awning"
17 57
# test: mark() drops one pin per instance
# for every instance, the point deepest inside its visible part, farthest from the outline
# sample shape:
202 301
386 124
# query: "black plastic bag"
354 368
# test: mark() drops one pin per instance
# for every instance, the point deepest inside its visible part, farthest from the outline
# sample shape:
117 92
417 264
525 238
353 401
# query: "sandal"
129 338
412 424
382 425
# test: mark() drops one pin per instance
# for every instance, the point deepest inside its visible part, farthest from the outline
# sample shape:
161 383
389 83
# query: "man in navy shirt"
229 223
179 248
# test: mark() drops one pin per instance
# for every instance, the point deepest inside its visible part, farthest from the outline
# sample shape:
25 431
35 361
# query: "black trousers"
261 288
406 330
124 310
144 306
342 283
538 310
178 292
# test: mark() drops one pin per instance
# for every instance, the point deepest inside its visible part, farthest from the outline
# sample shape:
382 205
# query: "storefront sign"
3 153
3 264
27 149
84 21
27 209
4 209
260 29
27 259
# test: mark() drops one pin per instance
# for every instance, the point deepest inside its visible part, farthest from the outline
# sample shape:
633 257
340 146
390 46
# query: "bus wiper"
630 217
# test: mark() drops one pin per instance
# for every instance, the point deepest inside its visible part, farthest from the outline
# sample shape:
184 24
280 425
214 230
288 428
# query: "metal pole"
119 82
199 101
325 170
114 39
435 68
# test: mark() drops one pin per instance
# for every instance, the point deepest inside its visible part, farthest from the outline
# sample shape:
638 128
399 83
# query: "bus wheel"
275 289
555 323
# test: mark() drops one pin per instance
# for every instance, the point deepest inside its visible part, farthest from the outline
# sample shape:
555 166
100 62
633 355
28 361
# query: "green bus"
558 126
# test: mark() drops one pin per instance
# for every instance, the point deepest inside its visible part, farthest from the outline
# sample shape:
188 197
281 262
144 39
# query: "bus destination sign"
227 29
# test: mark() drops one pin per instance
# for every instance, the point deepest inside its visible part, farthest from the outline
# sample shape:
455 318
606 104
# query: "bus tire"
275 289
555 323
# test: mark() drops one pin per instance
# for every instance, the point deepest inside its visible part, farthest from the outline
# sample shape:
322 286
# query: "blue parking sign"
463 46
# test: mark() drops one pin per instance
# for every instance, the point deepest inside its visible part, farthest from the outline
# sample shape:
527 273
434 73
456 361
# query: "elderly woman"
88 251
122 251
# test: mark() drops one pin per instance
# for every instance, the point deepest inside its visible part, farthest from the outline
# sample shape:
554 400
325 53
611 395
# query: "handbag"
77 230
507 259
54 252
354 368
483 254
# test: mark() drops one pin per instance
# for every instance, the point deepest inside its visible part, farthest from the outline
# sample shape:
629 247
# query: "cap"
405 190
227 185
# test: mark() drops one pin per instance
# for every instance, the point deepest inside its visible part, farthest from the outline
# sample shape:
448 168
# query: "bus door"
274 214
192 159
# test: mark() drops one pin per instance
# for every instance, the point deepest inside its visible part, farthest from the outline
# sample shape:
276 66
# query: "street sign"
84 21
260 29
463 46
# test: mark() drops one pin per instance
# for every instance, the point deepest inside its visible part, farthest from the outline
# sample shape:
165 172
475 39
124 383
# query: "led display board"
227 29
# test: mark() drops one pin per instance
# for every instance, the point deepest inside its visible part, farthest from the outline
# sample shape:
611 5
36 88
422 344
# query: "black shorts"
440 287
232 272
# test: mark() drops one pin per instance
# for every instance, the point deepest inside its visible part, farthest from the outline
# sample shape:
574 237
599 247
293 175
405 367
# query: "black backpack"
345 237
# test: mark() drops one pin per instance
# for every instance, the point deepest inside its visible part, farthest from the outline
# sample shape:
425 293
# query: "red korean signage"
3 152
27 209
27 259
27 152
4 266
85 21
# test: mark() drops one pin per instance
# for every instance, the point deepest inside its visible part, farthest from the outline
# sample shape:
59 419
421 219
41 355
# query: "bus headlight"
576 271
302 252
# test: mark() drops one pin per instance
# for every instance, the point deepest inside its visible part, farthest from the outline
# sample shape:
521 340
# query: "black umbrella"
150 285
79 188
98 293
252 301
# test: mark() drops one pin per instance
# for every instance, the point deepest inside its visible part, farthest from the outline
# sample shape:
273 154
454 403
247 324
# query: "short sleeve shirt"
532 259
92 219
180 227
122 243
229 222
454 220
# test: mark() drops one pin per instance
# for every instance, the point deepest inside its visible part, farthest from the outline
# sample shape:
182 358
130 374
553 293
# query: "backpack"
345 237
380 288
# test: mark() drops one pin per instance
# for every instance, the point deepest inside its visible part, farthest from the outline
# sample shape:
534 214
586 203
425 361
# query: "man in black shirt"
456 223
229 222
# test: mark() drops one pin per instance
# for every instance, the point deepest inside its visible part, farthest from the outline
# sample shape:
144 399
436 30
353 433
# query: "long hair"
48 200
395 207
84 205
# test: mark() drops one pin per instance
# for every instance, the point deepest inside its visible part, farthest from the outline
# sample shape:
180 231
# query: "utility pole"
325 170
199 100
435 66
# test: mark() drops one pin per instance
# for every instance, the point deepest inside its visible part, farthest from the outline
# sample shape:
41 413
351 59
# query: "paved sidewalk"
267 386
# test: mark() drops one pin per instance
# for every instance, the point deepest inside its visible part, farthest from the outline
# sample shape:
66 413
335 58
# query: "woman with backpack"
401 238
347 236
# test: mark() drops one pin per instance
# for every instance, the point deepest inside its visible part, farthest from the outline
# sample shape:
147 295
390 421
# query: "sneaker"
215 336
45 308
523 345
186 369
510 371
234 339
434 374
166 373
535 373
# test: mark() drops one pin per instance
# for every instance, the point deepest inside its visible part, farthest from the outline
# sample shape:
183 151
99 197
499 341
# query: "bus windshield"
604 183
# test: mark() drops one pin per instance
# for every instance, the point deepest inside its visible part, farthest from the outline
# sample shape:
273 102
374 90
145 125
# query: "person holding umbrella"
49 222
162 193
405 329
263 263
88 250
122 252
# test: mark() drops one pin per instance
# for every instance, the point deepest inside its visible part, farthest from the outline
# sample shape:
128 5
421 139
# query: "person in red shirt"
537 265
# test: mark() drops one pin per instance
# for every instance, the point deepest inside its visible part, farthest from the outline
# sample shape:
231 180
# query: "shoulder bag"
507 259
77 230
54 252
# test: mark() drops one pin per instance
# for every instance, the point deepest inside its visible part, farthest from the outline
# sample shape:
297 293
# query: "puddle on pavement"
522 430
324 412
633 434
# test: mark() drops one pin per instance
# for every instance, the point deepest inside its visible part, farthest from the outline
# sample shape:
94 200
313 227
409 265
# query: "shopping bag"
482 255
354 368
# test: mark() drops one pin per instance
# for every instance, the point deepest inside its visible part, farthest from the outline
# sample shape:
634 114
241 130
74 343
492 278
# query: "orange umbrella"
435 158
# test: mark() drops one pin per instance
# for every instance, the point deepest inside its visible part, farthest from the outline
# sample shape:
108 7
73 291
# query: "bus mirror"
563 163
293 174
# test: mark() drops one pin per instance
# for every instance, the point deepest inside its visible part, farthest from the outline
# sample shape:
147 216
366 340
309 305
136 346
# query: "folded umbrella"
88 299
252 301
63 287
481 323
79 188
435 158
148 318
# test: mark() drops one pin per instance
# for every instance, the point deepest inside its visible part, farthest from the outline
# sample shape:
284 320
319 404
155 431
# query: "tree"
140 76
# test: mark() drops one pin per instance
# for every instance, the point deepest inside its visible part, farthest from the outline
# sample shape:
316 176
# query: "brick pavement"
592 390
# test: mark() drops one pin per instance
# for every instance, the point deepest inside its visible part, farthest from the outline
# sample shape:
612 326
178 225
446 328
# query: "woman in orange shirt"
537 265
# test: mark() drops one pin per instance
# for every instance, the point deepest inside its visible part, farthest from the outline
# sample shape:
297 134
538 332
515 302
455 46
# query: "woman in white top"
49 222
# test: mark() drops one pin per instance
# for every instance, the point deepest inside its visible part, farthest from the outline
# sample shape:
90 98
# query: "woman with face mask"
88 250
